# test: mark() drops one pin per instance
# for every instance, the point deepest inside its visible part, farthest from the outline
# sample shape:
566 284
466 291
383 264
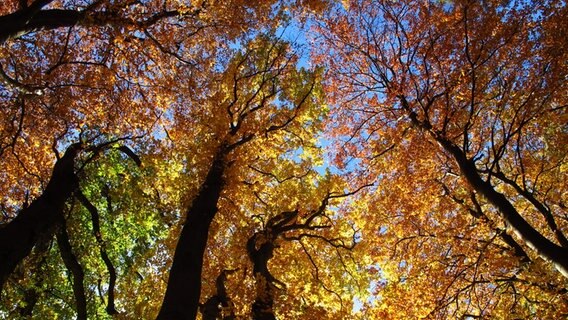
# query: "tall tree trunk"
547 249
181 300
19 236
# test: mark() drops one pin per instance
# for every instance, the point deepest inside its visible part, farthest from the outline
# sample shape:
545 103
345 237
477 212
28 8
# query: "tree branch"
95 220
72 264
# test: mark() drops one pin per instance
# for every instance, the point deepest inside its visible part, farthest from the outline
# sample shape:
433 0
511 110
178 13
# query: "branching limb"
18 237
219 306
477 213
547 249
17 129
546 213
24 89
95 220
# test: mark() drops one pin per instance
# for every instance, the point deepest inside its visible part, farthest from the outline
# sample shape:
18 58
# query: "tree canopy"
294 159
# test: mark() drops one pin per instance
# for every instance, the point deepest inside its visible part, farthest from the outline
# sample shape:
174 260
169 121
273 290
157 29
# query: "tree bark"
72 263
33 19
547 249
19 236
219 306
33 293
260 249
95 220
560 237
181 300
29 20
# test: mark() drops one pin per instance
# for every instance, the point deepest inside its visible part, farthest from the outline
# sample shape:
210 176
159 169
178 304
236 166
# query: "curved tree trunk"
19 236
262 307
219 306
181 300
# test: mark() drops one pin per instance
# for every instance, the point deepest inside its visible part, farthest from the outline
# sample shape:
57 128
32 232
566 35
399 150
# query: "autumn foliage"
283 159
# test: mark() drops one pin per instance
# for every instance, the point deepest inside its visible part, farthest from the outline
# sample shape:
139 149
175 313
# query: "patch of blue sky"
294 32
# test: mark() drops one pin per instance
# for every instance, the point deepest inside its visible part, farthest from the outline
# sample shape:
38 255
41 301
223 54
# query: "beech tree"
109 70
458 110
283 159
71 67
78 74
244 111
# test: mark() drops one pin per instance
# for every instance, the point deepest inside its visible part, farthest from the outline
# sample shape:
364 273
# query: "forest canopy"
293 159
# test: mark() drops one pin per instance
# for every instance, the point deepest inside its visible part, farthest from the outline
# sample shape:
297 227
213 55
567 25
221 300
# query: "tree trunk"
28 20
19 236
260 249
72 264
32 293
219 306
181 300
547 249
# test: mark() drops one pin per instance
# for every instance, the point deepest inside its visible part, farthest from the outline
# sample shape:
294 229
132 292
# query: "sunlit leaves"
182 82
414 75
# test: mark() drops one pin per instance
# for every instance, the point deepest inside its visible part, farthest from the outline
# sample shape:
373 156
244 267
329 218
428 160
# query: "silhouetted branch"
219 306
549 218
95 219
126 150
72 264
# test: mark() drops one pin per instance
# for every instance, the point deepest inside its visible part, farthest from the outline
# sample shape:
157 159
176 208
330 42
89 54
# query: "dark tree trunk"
260 249
72 264
95 220
547 249
33 293
219 306
181 300
19 236
478 213
32 19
